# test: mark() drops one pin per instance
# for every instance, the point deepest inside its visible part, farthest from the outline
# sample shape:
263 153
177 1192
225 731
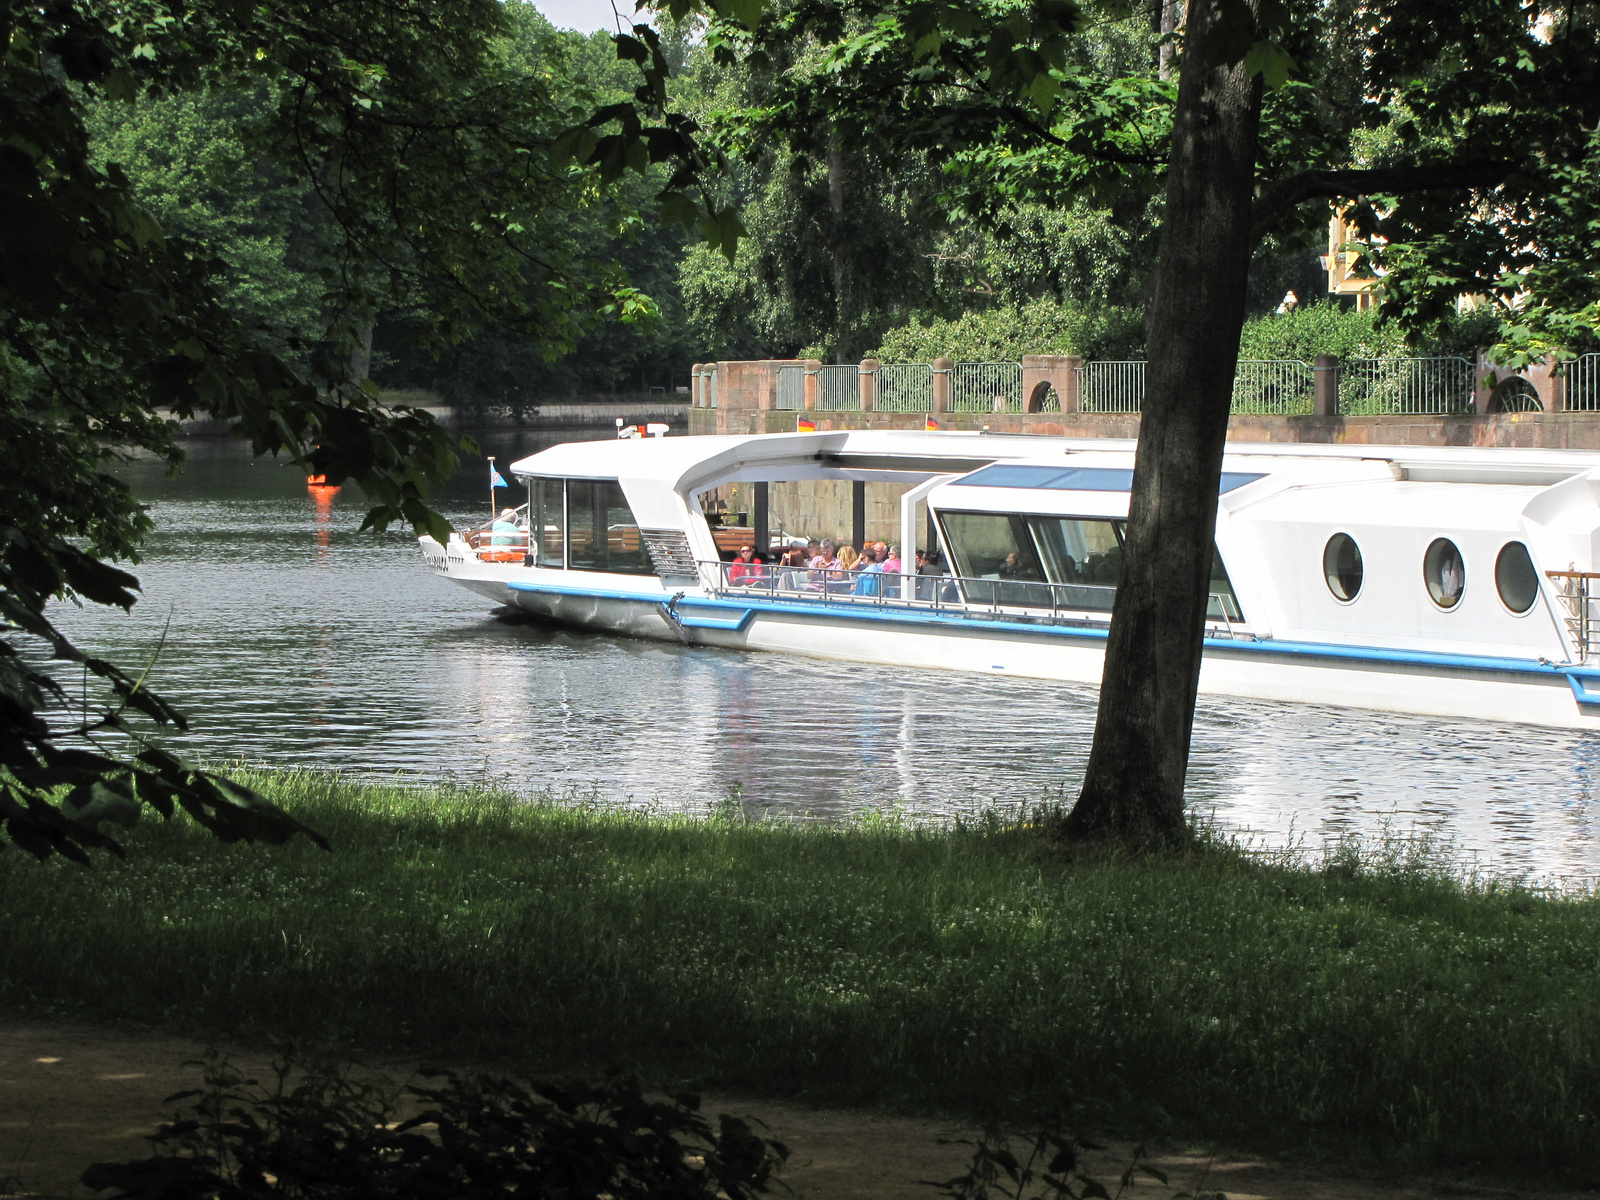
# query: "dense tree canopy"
429 147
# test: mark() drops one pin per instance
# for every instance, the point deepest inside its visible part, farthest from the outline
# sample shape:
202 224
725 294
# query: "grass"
1379 1006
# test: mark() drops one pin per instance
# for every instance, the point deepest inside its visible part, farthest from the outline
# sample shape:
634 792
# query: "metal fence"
1111 387
839 388
791 387
986 387
1266 386
1376 386
905 387
1583 383
1281 386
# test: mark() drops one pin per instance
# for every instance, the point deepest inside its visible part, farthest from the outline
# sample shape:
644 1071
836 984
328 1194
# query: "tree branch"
1280 197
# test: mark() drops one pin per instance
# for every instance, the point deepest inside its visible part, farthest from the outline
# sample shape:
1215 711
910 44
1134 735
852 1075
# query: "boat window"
549 522
998 547
1077 479
1341 566
1084 556
1444 572
1515 578
1222 604
601 532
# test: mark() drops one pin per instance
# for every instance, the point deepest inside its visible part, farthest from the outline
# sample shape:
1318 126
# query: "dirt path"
74 1094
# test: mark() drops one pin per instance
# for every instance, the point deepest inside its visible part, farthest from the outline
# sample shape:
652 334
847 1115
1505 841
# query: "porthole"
1341 564
1515 578
1444 573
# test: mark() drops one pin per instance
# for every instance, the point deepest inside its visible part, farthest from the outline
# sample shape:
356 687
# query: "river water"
295 640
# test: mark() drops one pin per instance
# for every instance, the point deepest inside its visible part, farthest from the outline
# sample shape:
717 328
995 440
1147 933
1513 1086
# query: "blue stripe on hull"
708 612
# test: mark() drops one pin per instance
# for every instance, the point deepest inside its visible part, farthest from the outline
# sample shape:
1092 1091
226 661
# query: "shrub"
322 1133
1006 334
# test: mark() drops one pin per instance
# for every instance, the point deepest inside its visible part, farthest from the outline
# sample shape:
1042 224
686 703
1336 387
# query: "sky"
584 15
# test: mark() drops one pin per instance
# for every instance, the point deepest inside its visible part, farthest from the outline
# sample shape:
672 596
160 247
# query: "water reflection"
295 639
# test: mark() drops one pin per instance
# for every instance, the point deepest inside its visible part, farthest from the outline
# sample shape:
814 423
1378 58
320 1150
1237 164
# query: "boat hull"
1461 687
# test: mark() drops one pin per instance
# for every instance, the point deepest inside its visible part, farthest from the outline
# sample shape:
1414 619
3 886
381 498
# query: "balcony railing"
966 597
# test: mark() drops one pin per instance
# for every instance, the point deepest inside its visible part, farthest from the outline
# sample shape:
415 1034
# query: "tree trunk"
361 353
1133 790
840 251
1169 26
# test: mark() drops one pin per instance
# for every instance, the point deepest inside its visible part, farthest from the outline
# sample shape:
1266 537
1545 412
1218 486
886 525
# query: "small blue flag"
495 479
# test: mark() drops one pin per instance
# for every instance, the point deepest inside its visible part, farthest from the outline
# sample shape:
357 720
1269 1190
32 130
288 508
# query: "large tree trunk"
1133 791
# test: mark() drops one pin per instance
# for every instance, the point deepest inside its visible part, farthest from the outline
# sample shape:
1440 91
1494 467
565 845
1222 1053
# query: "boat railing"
967 597
1579 593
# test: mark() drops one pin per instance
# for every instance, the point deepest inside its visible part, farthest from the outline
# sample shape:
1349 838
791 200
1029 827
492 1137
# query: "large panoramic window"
547 522
1083 556
625 550
1005 558
601 532
995 552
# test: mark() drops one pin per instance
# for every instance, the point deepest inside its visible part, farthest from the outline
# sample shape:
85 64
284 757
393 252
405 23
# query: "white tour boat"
1452 581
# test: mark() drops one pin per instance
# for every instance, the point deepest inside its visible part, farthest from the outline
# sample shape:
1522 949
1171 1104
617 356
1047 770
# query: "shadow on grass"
1370 999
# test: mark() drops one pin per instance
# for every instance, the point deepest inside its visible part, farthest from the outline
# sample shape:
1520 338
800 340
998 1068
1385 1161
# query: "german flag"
930 423
804 425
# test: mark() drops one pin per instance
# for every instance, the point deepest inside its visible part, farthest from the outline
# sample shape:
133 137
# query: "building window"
1515 578
1341 565
1444 573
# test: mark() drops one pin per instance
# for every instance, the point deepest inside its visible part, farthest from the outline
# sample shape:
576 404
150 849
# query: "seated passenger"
932 564
868 582
505 531
824 565
849 563
746 569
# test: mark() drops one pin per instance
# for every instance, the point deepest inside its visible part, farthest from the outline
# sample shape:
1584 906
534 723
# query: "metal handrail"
957 595
1580 599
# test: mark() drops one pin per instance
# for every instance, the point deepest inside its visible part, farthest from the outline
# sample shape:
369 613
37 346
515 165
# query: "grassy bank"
1382 1007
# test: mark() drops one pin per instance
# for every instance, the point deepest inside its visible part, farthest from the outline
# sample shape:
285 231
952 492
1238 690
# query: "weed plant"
1372 1002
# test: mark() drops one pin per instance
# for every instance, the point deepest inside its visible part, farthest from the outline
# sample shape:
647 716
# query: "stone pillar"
1060 371
1552 388
813 383
858 513
695 399
1325 385
869 384
942 368
1072 394
1485 381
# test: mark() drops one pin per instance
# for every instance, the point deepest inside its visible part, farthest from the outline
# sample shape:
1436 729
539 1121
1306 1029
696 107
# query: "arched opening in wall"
1515 395
1043 398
